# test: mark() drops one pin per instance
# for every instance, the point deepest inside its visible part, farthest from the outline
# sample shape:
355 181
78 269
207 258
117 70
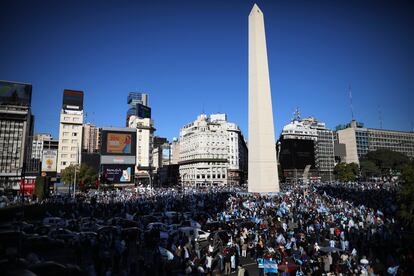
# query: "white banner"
49 160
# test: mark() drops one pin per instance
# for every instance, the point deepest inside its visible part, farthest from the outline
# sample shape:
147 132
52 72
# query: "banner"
49 160
118 173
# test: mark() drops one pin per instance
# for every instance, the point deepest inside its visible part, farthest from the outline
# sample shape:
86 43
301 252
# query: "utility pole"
351 105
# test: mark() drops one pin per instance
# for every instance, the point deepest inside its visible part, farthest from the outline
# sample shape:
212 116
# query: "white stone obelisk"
263 174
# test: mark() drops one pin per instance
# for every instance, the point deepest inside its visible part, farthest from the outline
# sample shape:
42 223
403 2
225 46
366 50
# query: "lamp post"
78 164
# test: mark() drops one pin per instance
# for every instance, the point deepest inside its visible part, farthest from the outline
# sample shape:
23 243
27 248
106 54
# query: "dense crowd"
318 229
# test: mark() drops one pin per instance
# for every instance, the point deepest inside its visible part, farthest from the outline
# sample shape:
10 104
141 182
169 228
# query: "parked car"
194 233
55 221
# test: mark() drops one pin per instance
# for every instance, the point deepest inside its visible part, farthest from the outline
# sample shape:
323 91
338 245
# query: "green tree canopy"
387 161
406 195
369 169
346 172
84 173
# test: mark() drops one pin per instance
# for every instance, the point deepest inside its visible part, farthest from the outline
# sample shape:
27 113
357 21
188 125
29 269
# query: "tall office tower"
212 151
91 138
359 140
16 129
263 174
70 129
134 99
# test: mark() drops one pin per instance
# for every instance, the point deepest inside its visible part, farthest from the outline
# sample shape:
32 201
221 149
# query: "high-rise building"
306 142
16 130
212 151
70 129
263 173
91 138
135 102
145 135
37 144
359 140
175 151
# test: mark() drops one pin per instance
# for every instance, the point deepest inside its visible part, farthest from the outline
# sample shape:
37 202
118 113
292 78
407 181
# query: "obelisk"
263 174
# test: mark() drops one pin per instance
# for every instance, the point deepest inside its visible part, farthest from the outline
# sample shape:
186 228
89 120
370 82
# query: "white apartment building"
70 138
145 135
212 151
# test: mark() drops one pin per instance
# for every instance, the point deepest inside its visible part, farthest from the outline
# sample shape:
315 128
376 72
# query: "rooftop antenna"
86 117
351 105
380 116
296 114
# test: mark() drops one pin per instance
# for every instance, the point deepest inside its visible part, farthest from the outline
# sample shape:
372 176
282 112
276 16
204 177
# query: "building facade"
359 140
70 129
145 135
307 142
212 151
134 99
16 130
37 144
91 138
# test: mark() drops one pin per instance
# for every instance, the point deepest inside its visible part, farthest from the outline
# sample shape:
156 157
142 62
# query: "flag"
270 266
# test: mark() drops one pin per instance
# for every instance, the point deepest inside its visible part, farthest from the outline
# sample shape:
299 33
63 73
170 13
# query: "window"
63 155
65 141
72 155
73 141
74 134
64 148
63 163
65 134
66 119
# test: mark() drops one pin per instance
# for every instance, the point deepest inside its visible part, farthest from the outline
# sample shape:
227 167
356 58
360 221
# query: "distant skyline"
191 56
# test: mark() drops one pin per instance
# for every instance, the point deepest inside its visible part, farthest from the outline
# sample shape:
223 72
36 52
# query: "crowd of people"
317 229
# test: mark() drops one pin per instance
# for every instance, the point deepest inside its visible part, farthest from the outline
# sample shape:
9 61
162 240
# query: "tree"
389 162
41 186
84 173
67 176
346 172
369 169
406 195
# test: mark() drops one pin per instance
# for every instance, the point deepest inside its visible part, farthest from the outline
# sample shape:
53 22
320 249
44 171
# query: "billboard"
121 174
49 160
15 93
118 142
143 111
72 99
116 159
297 153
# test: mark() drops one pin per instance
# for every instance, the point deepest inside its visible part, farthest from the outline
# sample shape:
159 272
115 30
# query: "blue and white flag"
270 266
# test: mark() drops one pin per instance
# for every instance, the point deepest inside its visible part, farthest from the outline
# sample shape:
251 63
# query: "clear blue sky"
191 56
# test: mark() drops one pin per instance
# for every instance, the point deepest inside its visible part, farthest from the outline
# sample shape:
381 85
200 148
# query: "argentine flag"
270 266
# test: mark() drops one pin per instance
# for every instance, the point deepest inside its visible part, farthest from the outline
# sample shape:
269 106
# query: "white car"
194 233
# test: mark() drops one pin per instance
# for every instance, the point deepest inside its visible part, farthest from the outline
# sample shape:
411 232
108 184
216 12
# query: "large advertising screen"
121 143
297 154
143 111
15 93
49 160
72 99
118 174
